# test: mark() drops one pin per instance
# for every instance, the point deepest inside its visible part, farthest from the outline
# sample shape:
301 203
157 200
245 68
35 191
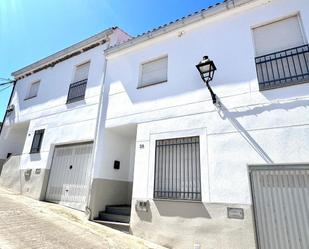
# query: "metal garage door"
281 206
70 175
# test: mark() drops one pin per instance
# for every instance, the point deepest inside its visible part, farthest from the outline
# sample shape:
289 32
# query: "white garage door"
70 175
281 206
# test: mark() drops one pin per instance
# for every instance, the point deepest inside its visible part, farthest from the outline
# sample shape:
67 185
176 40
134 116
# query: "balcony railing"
284 68
77 91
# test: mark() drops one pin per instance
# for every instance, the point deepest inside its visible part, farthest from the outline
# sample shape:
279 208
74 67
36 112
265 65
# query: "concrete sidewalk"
27 223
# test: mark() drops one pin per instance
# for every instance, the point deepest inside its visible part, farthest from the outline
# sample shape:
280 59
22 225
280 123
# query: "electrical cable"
5 83
4 88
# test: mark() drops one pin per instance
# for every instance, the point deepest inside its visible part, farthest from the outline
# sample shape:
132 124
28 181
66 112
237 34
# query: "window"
37 141
177 169
282 54
277 36
153 72
33 91
78 87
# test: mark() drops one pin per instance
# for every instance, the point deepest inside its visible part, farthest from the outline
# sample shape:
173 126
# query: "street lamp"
207 68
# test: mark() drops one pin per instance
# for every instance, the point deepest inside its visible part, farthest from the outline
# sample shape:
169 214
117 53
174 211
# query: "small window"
37 141
77 89
153 72
33 91
177 169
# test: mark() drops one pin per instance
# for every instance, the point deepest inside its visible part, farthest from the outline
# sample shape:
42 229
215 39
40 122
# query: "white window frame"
29 90
140 83
75 69
268 22
73 82
202 133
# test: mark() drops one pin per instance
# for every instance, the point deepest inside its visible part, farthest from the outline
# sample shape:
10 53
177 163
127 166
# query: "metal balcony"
283 68
77 91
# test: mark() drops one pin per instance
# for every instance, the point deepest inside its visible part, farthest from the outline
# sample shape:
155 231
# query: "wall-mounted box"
235 213
142 206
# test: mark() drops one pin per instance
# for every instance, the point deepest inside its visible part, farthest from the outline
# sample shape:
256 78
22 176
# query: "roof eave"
211 11
76 47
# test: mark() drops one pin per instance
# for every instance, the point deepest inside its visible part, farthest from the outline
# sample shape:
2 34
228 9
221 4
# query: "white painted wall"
255 127
63 123
12 139
120 148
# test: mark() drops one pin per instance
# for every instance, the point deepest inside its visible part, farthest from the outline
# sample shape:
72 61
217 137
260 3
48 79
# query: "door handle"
71 167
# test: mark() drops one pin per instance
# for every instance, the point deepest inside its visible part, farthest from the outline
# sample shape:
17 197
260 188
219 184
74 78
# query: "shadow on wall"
181 209
187 210
35 157
231 116
266 108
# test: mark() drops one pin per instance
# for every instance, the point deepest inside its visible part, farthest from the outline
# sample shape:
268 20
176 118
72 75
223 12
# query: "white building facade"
51 122
213 176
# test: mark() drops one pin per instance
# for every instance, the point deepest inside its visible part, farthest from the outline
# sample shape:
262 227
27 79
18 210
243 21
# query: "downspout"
11 96
88 209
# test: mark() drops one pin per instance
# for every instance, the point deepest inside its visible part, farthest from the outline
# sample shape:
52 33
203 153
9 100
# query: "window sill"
31 153
151 84
30 97
175 200
74 101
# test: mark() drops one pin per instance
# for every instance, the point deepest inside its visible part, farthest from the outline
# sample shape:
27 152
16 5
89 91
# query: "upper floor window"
153 72
77 89
33 90
177 169
37 141
282 55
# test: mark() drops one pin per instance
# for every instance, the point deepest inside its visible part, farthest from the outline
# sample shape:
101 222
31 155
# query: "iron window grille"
77 91
37 141
177 169
283 68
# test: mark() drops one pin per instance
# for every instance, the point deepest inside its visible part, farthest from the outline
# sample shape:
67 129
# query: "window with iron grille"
77 89
282 55
177 169
37 141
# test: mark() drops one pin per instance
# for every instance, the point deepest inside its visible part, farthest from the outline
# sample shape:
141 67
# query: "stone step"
114 217
118 209
123 227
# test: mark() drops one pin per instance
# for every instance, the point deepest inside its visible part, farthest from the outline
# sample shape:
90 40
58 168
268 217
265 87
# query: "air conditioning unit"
10 109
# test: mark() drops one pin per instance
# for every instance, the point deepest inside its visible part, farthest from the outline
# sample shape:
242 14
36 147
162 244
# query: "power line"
4 79
5 83
1 90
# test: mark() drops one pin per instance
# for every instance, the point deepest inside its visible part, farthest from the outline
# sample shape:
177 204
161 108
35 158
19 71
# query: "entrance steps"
115 216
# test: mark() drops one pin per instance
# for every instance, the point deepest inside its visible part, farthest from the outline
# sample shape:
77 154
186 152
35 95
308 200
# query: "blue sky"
33 29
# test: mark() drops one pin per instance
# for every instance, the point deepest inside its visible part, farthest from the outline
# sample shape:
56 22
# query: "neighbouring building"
50 122
230 175
126 129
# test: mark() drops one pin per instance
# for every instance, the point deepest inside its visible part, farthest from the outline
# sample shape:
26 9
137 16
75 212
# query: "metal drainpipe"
88 209
14 84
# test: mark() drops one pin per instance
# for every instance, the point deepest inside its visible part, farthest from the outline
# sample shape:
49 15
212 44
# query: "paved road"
26 223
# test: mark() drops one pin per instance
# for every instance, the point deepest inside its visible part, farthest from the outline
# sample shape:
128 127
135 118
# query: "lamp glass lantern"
206 68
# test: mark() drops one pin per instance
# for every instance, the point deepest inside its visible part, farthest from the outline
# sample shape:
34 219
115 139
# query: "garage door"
70 175
281 206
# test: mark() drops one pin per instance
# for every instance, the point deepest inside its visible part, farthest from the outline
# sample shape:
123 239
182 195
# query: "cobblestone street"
26 223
